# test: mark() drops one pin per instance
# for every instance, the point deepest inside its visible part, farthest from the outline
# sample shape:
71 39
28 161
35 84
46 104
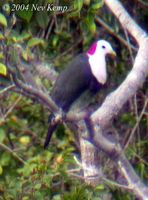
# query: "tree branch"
126 21
103 116
114 102
112 32
6 148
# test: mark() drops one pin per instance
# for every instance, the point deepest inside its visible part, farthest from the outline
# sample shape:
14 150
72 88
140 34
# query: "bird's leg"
57 117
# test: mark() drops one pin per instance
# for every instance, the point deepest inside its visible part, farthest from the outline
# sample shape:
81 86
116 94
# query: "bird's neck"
98 67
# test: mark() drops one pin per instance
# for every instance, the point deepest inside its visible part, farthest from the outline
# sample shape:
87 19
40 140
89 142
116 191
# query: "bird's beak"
112 53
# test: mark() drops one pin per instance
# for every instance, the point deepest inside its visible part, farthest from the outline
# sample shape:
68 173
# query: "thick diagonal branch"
103 117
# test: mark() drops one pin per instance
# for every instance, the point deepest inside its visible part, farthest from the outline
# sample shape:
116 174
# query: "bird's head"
96 55
101 47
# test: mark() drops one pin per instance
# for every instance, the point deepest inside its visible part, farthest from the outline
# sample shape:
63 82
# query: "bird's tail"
52 127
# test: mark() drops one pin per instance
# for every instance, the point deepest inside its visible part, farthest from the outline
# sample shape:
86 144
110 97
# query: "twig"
136 125
137 156
111 31
44 98
129 46
143 3
76 175
137 117
49 28
7 89
126 21
135 96
6 148
12 107
45 71
3 118
113 183
70 49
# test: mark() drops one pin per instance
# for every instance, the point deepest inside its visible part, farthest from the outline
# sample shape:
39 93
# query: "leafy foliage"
57 37
3 69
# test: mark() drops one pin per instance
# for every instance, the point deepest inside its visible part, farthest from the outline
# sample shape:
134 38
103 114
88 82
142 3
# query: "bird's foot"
57 117
60 117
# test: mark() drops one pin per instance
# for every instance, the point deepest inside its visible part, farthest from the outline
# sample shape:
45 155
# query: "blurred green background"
27 171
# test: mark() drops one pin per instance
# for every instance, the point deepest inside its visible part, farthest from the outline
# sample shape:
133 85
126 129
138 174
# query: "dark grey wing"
95 86
72 82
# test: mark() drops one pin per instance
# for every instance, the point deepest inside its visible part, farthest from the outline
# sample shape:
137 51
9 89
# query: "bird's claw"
54 118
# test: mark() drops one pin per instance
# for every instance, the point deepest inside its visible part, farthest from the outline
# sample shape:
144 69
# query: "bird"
87 71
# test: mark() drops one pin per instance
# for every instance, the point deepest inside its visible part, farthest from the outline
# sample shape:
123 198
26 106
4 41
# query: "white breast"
98 67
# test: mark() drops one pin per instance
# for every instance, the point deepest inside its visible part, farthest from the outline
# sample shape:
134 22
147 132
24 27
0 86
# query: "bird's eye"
103 47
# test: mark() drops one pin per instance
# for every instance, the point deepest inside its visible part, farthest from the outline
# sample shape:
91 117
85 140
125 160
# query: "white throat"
98 67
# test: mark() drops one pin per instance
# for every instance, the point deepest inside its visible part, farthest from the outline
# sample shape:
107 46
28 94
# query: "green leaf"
35 41
1 170
3 69
3 20
92 27
97 5
5 159
99 187
25 198
22 37
25 15
19 38
78 5
42 19
27 169
73 14
55 40
38 195
57 197
24 140
2 134
91 23
1 36
25 54
87 2
1 55
37 186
